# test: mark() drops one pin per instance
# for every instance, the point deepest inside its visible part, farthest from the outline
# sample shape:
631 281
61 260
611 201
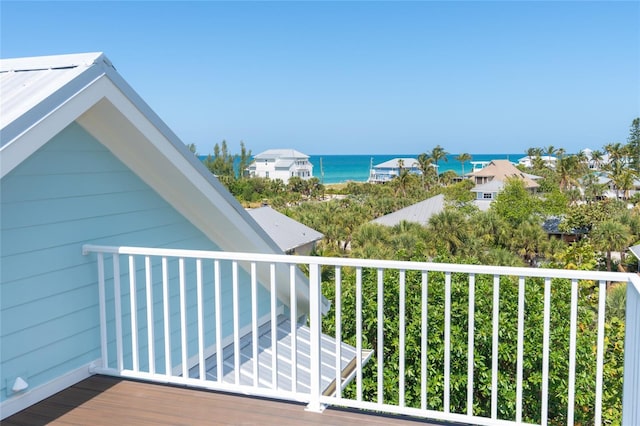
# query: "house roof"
286 232
284 164
420 212
393 163
502 170
43 95
279 153
491 186
285 357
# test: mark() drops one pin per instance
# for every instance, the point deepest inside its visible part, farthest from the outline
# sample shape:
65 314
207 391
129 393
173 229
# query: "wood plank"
102 400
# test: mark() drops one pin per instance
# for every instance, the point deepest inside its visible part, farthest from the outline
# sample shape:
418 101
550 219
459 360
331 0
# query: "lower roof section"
284 352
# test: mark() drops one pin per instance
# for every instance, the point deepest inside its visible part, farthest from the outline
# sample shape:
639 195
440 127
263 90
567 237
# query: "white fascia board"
178 176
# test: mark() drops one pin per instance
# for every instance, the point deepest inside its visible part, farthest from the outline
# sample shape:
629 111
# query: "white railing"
470 343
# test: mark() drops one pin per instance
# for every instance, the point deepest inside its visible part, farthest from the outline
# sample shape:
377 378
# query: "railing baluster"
520 349
602 297
117 305
236 323
254 324
631 379
401 343
201 359
545 352
338 316
494 347
423 343
183 319
470 342
218 302
572 351
315 334
359 333
166 318
274 327
380 349
151 353
294 331
103 312
447 341
134 314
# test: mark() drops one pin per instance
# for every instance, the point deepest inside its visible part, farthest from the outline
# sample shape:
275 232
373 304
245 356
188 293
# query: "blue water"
343 168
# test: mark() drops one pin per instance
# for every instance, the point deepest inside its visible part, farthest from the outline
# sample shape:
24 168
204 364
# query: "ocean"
344 168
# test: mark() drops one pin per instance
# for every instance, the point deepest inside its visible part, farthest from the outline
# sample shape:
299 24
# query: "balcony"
465 343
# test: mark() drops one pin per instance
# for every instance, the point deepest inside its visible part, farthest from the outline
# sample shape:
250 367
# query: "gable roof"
501 170
279 153
393 163
41 96
286 232
420 212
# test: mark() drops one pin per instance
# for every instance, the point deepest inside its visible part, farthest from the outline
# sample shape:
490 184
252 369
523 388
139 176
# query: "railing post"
315 330
631 380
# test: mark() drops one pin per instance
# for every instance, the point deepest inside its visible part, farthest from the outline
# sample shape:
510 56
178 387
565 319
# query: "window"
488 195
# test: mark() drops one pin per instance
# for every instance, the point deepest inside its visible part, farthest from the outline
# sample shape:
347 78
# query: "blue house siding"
70 192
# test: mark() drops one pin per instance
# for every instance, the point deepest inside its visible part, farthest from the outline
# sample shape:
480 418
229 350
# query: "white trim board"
24 400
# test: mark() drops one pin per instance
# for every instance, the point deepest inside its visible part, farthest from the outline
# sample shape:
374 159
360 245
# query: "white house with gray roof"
384 172
281 164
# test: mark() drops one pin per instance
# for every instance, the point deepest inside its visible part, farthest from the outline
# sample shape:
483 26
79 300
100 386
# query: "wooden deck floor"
101 400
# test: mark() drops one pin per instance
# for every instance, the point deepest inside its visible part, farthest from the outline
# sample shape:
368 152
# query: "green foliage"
586 216
221 163
514 203
579 255
482 350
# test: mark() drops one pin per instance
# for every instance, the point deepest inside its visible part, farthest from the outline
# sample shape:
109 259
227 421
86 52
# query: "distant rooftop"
420 212
280 153
286 232
394 163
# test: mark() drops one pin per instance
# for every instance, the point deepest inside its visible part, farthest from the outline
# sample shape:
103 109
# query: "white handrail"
196 343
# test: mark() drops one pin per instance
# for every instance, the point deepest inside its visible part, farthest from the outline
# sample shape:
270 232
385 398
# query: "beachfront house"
546 160
87 170
490 179
281 164
132 279
384 172
290 235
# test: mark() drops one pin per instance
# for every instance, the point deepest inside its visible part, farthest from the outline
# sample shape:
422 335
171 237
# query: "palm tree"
451 228
438 153
568 170
403 178
529 240
463 158
609 236
425 164
596 158
624 182
591 188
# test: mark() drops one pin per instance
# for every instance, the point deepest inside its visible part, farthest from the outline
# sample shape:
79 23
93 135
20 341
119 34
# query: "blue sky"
361 77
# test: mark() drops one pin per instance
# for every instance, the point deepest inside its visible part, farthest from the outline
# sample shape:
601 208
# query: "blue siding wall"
71 192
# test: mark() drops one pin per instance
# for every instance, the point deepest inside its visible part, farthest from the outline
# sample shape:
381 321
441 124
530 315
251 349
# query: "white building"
384 172
281 164
548 161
